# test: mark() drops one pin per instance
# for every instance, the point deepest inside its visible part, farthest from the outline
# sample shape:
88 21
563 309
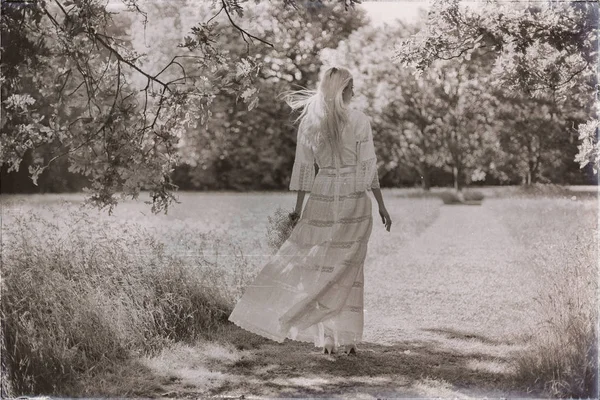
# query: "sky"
379 11
388 11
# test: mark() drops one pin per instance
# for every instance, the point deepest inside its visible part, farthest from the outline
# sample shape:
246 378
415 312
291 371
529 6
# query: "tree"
545 53
433 120
242 149
589 149
384 92
64 81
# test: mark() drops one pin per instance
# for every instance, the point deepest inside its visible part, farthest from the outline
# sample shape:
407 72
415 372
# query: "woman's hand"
385 218
299 203
294 217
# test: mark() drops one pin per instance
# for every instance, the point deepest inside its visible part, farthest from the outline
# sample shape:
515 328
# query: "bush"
78 291
473 195
541 190
450 197
453 197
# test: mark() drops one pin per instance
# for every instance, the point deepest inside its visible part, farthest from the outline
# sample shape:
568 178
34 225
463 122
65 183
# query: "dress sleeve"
303 171
375 182
371 157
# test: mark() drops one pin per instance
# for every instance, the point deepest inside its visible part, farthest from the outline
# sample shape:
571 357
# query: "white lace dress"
313 286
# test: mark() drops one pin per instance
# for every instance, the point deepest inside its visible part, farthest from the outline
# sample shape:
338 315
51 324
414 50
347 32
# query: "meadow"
459 300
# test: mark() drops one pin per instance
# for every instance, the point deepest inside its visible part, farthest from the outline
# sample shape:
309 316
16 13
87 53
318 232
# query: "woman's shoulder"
360 122
356 112
357 115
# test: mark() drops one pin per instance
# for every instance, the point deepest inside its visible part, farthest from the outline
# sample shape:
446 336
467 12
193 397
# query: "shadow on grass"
237 362
127 379
415 369
523 191
454 334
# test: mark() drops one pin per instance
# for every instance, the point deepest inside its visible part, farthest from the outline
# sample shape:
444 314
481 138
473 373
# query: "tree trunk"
425 176
532 172
456 171
535 171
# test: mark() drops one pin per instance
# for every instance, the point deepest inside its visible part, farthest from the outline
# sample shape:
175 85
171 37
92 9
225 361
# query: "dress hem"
257 331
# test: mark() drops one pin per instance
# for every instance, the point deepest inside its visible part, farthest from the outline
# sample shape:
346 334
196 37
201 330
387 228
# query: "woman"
312 288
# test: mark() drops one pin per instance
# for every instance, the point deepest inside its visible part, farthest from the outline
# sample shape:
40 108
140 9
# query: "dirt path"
443 315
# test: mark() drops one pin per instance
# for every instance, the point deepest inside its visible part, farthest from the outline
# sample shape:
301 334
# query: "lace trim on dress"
256 330
367 177
327 198
375 181
303 176
328 223
330 268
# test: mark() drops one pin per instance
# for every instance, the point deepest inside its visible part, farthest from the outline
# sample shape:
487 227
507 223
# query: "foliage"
73 96
384 91
533 46
544 52
589 149
460 120
473 195
241 149
537 190
165 95
279 229
457 110
450 198
79 292
70 80
464 197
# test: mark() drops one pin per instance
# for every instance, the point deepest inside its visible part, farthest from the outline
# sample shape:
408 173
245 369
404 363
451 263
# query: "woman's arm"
385 216
369 155
295 216
299 201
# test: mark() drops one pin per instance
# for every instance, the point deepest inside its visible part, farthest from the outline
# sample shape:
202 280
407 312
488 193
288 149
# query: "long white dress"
313 286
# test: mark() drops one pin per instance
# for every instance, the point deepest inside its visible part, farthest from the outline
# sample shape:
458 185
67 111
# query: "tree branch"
242 31
101 129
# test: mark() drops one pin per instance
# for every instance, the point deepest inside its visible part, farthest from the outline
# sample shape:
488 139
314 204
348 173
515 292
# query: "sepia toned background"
146 156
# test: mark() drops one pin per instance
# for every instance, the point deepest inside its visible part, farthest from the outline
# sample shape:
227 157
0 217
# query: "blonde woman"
312 288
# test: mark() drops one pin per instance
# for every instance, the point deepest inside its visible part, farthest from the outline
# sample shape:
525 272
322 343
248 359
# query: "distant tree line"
495 96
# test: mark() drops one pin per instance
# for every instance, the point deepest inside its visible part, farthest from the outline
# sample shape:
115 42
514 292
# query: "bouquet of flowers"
281 224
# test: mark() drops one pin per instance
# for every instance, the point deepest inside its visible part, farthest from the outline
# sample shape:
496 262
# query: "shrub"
473 195
450 197
541 190
79 291
453 197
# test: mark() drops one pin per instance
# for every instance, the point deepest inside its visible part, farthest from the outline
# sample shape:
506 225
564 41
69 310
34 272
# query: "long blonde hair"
324 113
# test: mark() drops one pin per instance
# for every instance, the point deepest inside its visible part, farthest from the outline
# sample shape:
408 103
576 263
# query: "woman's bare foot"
329 346
350 349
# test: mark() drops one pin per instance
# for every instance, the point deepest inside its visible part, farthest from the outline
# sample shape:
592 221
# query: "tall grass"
564 361
561 238
80 291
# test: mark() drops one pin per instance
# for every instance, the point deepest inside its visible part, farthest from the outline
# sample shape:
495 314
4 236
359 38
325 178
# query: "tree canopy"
543 58
69 84
499 93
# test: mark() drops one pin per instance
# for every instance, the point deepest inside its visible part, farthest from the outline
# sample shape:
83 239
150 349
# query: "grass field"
458 298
